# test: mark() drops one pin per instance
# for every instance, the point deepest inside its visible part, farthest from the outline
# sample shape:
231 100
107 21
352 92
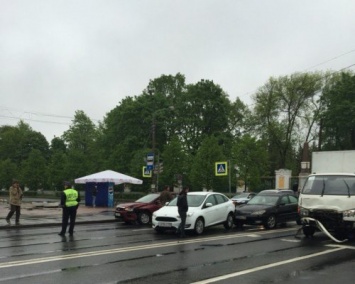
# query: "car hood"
131 205
167 211
248 208
240 199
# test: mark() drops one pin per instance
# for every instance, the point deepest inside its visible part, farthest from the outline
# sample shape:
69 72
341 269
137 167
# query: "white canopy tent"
108 176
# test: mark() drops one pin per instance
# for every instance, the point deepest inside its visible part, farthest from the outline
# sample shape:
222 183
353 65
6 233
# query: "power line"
336 57
35 120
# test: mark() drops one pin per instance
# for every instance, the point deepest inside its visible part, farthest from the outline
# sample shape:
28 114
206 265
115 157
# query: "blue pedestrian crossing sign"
221 168
147 172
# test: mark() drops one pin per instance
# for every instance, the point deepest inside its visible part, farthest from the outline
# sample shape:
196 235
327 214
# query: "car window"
264 200
330 185
211 199
284 200
148 198
220 198
293 199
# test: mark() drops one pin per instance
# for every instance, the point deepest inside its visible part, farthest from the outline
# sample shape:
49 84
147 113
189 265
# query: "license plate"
166 225
118 215
240 217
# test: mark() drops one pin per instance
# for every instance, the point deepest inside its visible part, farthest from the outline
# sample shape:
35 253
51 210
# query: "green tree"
34 170
338 118
251 157
8 171
80 140
174 160
203 167
280 106
203 110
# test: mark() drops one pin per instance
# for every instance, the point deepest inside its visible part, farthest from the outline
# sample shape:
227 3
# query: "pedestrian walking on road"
182 209
15 193
70 202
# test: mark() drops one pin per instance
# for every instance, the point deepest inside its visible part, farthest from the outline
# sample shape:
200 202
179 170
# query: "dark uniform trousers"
68 213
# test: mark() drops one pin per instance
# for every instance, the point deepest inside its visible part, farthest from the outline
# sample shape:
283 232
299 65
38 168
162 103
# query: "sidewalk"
39 213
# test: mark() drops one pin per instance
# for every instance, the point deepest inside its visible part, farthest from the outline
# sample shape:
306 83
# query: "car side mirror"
209 204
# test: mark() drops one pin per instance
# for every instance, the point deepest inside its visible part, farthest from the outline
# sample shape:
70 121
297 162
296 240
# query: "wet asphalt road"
120 253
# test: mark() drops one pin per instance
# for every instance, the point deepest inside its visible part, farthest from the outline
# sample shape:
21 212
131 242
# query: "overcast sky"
59 56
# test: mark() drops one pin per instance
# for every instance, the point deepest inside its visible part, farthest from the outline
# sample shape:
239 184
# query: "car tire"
270 222
144 218
308 231
228 224
199 226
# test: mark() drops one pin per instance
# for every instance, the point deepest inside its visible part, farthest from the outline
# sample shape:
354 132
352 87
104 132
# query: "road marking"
291 241
340 246
127 249
247 271
137 230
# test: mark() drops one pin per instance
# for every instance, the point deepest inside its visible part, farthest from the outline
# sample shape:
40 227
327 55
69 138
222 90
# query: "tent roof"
108 176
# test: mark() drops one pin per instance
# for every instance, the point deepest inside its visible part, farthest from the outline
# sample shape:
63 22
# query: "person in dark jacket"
183 207
70 202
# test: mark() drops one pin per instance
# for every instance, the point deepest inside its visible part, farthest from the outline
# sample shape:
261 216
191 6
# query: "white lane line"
224 277
291 241
340 246
125 249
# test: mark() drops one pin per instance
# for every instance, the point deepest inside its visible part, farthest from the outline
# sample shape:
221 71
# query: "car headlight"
349 215
260 212
304 212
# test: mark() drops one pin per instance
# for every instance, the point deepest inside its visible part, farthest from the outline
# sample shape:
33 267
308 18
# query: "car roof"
276 192
202 192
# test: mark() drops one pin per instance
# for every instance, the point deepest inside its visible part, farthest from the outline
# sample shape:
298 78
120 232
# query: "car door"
210 214
293 206
222 208
288 208
283 209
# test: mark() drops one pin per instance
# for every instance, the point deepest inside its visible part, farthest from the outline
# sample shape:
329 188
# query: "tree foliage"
190 127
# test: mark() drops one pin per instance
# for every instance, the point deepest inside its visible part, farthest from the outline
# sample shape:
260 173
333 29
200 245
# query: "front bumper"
126 216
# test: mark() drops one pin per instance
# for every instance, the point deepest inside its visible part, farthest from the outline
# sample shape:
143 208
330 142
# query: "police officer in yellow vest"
70 202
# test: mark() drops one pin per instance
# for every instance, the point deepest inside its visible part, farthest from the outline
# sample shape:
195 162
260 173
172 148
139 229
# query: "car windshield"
330 185
241 195
148 198
193 200
264 200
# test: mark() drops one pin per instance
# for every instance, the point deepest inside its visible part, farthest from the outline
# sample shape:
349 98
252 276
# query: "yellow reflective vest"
71 197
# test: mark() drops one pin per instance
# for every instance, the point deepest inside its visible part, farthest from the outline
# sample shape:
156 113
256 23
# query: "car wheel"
199 226
228 224
144 218
308 231
270 222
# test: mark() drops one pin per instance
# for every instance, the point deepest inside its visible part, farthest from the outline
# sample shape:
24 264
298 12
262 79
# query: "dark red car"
140 210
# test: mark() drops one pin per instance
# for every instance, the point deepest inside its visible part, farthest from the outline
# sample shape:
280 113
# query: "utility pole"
153 186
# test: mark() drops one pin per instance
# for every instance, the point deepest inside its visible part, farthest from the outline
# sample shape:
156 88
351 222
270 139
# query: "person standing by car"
16 194
183 207
165 195
70 202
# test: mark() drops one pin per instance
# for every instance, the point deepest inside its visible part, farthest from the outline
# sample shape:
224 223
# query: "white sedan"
205 209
